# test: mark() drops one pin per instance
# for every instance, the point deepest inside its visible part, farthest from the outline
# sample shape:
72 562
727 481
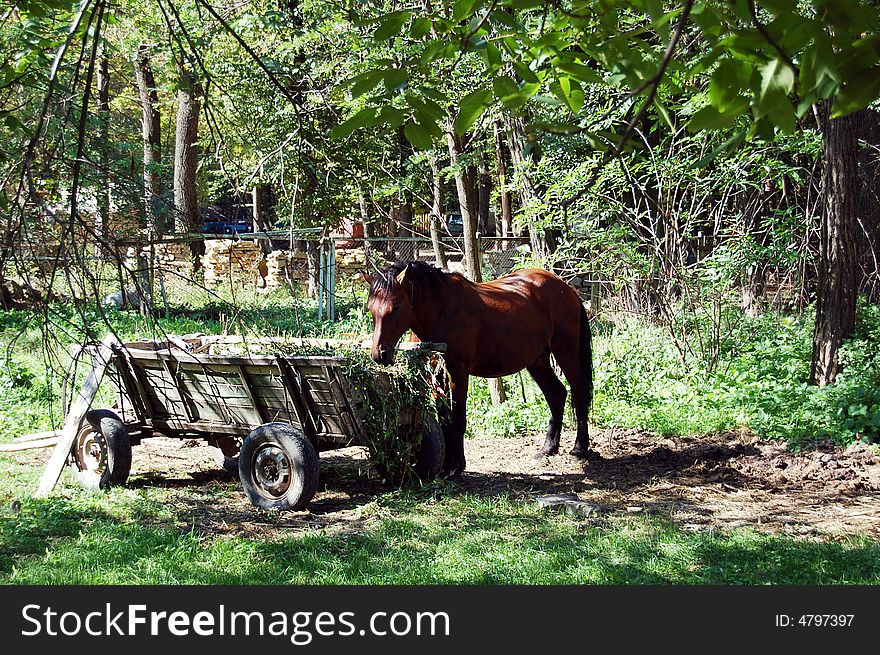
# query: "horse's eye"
394 308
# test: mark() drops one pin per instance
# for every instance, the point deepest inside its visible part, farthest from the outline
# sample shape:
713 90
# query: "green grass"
411 538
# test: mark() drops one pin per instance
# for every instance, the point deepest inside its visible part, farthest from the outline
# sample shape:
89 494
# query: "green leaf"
570 92
709 118
464 9
366 82
857 94
363 118
395 78
390 25
779 6
664 113
420 27
728 80
391 116
492 54
527 74
418 135
508 92
471 108
777 108
582 73
776 75
506 19
426 106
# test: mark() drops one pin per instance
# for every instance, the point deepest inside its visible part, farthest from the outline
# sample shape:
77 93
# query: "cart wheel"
278 467
431 451
101 453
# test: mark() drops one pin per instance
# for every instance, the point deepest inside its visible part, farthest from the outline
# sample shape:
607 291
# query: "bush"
761 382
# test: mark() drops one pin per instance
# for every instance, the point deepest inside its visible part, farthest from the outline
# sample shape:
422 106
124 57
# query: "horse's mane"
419 274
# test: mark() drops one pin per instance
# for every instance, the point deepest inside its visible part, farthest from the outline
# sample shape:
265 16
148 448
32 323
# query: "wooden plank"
355 406
318 343
138 379
247 387
74 418
36 436
173 426
170 370
129 386
297 397
224 360
48 442
213 390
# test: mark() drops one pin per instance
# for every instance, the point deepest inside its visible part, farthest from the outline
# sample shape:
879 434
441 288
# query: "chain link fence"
327 268
342 260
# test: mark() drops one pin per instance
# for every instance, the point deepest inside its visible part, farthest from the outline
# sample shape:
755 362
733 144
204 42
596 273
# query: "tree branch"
654 84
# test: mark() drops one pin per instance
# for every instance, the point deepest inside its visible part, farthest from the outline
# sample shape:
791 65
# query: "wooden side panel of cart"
177 393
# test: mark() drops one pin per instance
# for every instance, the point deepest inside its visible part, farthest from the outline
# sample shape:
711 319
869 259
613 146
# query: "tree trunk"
496 392
261 223
505 217
523 155
408 249
466 203
484 200
151 131
365 221
313 267
437 215
102 218
837 286
186 203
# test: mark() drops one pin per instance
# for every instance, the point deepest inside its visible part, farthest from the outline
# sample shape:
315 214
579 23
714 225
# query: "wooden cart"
269 414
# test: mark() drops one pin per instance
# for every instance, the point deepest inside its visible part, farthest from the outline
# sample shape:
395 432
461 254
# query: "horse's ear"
400 276
368 278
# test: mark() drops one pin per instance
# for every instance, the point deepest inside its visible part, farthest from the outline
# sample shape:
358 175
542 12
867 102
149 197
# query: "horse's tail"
585 356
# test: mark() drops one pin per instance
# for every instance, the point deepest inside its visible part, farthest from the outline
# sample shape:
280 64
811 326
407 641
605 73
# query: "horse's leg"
453 433
566 353
554 391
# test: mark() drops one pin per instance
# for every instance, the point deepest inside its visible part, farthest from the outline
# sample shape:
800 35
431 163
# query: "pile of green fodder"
396 398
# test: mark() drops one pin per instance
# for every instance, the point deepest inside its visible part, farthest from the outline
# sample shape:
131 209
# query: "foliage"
396 400
760 382
774 60
525 411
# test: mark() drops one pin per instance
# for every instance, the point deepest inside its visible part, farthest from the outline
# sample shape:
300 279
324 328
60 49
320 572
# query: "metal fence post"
322 264
331 287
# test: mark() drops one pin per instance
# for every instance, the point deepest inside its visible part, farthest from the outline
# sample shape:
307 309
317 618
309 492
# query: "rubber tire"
431 452
118 445
298 450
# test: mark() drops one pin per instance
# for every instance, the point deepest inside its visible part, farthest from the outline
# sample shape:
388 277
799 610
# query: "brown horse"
491 329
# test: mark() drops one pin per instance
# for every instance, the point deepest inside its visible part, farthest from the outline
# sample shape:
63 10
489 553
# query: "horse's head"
392 311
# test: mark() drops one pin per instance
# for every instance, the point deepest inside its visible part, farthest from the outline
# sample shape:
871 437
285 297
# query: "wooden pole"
74 418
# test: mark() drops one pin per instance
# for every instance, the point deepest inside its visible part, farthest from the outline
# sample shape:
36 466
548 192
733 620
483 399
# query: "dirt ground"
724 481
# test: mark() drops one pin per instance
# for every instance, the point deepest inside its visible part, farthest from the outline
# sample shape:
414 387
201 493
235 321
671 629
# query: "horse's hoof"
546 452
453 472
585 454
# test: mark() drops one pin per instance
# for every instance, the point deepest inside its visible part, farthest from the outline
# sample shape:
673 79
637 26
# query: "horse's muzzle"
383 355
